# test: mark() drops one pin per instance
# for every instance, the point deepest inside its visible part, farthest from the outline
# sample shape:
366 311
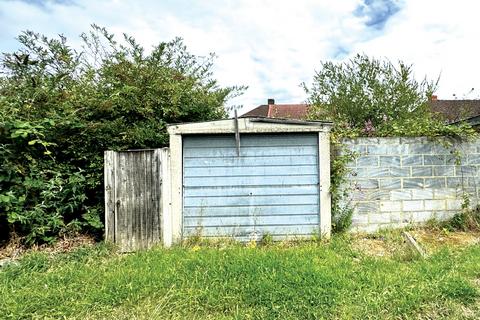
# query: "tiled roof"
286 111
456 110
260 111
451 110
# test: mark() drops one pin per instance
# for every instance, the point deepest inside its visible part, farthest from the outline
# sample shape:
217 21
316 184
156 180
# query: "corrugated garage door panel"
272 187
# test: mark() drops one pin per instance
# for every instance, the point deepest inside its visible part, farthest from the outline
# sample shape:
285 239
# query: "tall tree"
369 95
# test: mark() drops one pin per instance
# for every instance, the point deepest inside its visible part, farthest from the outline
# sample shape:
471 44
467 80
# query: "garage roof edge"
250 125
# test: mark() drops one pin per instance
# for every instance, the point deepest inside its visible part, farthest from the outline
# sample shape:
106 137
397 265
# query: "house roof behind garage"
290 111
456 110
451 110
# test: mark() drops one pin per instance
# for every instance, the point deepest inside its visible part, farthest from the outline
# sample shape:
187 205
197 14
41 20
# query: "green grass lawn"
300 281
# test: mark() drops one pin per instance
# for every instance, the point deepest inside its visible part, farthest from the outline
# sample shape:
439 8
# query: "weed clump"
466 220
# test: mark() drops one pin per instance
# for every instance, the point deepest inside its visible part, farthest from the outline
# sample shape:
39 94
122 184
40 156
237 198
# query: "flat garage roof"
250 125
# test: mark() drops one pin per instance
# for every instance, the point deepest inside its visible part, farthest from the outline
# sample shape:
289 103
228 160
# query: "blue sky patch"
377 12
43 3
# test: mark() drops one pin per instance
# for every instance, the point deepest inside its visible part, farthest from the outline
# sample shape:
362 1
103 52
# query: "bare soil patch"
433 239
14 249
389 243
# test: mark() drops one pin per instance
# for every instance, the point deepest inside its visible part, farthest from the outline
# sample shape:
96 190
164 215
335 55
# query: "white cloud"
438 37
273 46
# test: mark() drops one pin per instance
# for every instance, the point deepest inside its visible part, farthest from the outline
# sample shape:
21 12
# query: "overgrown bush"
366 96
60 108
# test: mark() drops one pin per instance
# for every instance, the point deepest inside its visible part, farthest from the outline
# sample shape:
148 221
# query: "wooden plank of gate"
122 204
155 181
109 172
147 189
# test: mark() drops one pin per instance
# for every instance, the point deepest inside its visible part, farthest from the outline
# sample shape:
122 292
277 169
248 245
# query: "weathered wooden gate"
133 197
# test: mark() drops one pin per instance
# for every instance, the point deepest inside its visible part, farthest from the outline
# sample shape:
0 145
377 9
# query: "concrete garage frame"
173 216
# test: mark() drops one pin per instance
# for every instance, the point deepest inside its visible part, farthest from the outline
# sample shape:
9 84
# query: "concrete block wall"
399 181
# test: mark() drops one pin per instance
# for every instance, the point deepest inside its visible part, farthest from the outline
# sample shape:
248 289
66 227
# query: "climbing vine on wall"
341 210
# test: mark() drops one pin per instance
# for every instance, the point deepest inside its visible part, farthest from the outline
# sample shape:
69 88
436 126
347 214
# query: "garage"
271 187
250 177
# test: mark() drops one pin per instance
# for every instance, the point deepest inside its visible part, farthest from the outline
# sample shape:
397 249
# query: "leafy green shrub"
61 108
372 97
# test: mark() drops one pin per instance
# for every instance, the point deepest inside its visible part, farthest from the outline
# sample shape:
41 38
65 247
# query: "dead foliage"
391 243
14 248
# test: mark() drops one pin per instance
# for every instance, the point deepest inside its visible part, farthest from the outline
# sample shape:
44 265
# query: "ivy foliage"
60 108
342 211
365 96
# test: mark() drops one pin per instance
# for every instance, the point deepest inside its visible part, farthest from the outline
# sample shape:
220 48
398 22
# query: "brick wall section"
398 181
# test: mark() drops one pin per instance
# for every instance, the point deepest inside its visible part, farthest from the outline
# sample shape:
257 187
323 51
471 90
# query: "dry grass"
434 239
377 247
389 243
14 248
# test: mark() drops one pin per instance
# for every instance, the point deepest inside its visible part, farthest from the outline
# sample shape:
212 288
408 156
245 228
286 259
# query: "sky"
272 46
